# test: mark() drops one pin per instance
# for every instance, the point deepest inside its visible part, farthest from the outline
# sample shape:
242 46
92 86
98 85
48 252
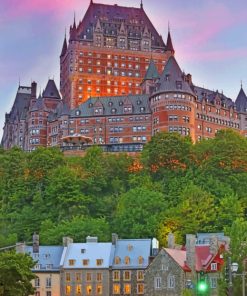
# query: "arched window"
140 260
127 260
117 260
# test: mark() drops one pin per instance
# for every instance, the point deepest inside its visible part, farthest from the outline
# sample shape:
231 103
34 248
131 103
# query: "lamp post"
234 269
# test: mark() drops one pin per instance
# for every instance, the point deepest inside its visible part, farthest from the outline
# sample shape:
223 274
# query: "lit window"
89 290
127 289
140 260
78 277
99 289
67 276
140 289
116 289
78 289
67 289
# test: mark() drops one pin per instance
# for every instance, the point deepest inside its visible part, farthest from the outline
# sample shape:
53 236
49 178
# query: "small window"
157 282
171 282
99 262
85 262
77 112
71 262
117 260
213 266
127 260
140 260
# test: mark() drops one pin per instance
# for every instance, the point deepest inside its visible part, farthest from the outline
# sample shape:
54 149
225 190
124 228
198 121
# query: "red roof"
180 257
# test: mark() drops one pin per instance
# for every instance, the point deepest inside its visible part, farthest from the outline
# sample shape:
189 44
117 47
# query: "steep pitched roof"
65 46
241 101
88 251
48 257
112 16
173 79
51 90
132 248
140 104
180 257
152 72
169 45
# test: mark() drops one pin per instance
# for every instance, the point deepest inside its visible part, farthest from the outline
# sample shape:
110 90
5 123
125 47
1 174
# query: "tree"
139 213
16 274
167 152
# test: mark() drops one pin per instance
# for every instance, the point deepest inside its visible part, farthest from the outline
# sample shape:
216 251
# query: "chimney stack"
20 248
213 244
171 241
67 241
114 238
35 243
191 251
92 239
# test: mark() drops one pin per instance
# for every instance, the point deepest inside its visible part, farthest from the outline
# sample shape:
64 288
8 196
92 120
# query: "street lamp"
234 268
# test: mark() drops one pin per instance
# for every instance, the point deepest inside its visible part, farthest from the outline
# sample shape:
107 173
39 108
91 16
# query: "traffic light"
202 287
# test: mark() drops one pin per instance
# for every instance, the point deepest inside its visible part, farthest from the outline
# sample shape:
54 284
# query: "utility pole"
229 264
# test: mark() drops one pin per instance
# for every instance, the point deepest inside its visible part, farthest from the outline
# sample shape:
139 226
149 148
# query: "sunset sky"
209 36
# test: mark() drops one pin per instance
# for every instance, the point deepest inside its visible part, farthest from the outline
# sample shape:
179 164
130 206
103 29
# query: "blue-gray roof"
48 257
134 249
88 251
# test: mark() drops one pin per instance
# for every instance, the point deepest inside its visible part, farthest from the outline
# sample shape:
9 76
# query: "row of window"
180 129
217 120
176 118
114 119
107 72
85 262
108 82
178 107
47 281
116 289
170 96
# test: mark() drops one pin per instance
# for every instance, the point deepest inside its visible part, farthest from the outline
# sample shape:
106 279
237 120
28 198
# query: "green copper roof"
152 72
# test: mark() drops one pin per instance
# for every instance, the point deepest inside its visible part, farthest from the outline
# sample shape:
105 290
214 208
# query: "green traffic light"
202 286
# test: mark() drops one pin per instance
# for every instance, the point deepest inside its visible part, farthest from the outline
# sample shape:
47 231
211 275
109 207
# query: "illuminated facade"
120 84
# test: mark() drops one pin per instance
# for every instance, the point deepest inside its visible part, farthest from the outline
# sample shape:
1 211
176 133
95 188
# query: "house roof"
51 90
241 101
180 257
88 251
113 16
173 79
48 257
203 257
115 104
134 249
152 72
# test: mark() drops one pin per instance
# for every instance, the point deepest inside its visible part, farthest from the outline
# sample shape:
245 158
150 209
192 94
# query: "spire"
241 101
152 72
169 45
64 49
141 5
74 25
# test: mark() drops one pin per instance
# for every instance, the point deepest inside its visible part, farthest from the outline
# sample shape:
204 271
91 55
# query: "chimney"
213 245
191 250
35 243
20 248
67 241
114 237
189 79
33 90
155 247
91 239
171 241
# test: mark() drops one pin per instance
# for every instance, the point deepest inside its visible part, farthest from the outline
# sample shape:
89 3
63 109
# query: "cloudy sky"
209 36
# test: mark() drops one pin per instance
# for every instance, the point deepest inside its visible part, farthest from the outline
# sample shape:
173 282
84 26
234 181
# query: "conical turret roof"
241 101
173 79
65 46
152 72
169 45
51 90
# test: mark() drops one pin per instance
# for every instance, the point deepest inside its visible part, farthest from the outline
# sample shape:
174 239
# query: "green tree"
16 274
139 213
167 152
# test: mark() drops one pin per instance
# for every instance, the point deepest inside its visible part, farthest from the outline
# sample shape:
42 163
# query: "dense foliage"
16 274
173 185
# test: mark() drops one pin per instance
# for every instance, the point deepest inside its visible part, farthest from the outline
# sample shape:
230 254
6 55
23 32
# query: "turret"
169 45
65 46
148 83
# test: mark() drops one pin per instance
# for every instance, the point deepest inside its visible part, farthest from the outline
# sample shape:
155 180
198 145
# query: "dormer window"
117 260
90 105
142 109
130 247
167 77
71 262
83 251
179 84
110 104
140 260
113 110
127 260
77 112
128 109
99 262
85 262
98 111
139 102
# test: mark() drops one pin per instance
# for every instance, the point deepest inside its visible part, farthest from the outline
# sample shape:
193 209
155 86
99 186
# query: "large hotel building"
119 85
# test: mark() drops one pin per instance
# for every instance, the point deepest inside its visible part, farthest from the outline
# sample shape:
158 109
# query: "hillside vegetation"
173 185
